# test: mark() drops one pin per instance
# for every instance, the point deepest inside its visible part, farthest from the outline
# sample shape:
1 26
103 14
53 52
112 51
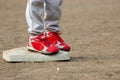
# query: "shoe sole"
33 50
63 49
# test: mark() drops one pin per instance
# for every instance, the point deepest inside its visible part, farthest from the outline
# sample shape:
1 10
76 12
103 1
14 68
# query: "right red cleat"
56 40
40 43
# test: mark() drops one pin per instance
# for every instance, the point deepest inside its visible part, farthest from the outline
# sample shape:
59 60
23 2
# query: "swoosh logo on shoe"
58 45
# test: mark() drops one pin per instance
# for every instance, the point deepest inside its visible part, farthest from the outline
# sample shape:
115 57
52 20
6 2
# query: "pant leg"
34 11
52 14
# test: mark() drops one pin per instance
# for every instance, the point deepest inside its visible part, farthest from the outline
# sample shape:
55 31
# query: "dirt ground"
91 27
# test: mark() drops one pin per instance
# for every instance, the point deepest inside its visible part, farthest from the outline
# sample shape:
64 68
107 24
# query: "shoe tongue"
42 37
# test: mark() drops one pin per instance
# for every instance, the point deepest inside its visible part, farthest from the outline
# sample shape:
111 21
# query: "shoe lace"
58 37
44 40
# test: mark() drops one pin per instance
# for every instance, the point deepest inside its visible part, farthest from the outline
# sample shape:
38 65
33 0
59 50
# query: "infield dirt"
91 27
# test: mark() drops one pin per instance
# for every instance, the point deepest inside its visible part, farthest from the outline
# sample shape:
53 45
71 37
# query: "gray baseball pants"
51 11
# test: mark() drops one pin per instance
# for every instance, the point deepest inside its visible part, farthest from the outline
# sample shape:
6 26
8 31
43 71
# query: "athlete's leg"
52 14
52 18
34 11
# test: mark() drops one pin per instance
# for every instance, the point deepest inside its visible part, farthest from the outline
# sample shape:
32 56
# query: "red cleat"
40 43
56 40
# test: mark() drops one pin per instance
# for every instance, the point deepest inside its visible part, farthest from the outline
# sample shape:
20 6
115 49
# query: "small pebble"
58 69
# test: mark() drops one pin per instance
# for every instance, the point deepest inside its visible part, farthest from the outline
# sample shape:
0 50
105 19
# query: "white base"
22 54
